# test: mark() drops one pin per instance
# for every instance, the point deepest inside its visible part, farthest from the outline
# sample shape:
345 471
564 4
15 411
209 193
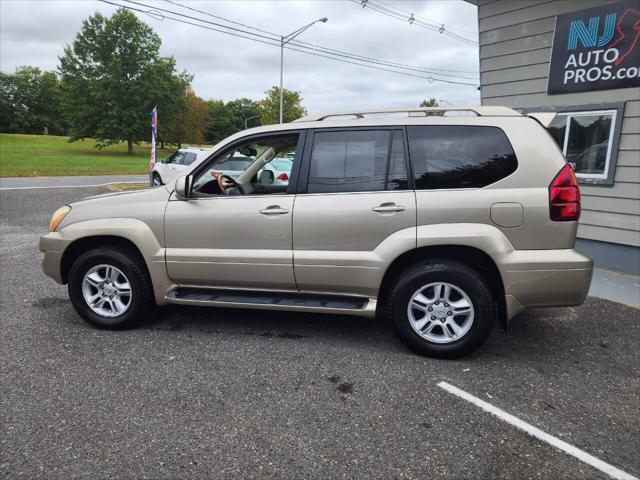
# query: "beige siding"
527 11
537 27
515 49
532 57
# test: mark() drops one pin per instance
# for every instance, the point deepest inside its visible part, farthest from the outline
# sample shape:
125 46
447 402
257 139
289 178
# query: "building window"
585 138
588 137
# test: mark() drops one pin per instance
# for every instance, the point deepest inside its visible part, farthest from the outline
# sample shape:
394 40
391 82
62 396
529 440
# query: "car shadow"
273 324
529 329
538 335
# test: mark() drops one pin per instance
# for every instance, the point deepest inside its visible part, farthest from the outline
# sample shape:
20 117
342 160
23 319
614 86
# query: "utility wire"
410 18
470 32
414 21
431 70
466 74
204 21
275 37
272 41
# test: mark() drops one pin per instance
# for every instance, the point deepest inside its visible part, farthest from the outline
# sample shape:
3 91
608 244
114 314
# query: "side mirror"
183 187
267 177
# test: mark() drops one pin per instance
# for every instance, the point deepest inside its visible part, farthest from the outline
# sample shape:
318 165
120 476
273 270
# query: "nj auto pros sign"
596 49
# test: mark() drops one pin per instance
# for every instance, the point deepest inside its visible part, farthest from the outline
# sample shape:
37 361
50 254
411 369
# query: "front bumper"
52 245
545 278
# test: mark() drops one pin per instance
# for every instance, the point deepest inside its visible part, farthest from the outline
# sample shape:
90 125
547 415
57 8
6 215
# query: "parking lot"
213 393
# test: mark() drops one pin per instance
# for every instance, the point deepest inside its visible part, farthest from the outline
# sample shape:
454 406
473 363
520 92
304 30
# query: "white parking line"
73 186
581 455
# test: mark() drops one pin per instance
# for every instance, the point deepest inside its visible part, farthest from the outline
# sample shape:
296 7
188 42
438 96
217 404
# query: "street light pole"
246 121
283 41
281 74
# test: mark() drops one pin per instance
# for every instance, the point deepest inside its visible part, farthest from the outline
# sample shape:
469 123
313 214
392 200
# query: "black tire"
459 275
157 180
142 300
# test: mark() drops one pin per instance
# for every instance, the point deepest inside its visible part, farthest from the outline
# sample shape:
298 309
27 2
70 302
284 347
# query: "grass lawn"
39 155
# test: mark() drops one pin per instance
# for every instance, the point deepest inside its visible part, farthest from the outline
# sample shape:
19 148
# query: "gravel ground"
214 393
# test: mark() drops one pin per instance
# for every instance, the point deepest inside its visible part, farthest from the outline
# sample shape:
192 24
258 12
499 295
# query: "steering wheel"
229 179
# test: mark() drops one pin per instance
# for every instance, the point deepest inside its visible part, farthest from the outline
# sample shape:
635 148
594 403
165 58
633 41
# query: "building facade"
580 58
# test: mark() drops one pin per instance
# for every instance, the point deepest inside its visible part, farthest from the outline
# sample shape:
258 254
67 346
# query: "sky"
225 67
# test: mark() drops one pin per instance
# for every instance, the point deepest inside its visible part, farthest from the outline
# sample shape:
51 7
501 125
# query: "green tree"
30 101
270 106
220 122
190 124
432 102
7 107
242 109
113 76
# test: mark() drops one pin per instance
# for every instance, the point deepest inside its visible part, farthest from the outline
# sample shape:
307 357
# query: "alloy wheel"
440 312
106 290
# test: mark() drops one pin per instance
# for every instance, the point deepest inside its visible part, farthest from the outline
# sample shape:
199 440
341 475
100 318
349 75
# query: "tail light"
283 176
564 196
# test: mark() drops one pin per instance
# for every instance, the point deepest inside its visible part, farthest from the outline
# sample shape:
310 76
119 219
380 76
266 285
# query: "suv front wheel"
110 288
442 308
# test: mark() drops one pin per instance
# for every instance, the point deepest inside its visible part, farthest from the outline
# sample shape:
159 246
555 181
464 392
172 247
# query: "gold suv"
443 220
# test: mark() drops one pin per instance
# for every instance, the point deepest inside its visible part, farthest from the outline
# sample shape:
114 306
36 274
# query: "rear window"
189 158
459 156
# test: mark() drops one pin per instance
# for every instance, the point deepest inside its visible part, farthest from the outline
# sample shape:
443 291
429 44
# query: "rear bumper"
545 278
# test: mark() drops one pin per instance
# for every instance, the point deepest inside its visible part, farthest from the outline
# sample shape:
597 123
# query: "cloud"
35 33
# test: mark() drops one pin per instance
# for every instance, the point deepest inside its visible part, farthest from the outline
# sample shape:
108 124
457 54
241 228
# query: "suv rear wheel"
110 288
442 308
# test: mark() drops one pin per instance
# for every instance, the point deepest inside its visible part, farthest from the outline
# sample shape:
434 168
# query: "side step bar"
266 300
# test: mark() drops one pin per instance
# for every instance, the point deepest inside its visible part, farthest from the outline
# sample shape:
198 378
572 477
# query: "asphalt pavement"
214 393
12 183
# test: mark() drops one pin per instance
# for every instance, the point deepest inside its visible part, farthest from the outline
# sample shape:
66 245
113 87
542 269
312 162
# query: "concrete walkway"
10 183
616 286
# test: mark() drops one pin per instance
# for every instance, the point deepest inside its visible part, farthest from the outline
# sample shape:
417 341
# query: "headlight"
57 217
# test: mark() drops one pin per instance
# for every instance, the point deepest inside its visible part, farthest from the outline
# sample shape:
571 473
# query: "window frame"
305 168
605 179
295 172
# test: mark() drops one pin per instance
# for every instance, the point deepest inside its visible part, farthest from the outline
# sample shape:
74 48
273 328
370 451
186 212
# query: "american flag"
154 133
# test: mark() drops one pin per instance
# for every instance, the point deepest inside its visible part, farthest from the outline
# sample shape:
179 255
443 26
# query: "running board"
266 300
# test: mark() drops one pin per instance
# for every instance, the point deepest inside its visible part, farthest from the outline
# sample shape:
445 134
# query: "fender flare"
135 231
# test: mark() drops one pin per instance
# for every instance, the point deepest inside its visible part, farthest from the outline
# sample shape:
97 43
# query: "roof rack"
488 111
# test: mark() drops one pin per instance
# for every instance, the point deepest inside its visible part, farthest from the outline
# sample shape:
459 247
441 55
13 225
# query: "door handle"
273 210
388 207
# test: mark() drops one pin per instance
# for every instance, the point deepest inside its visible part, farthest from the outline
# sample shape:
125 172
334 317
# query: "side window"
176 158
261 166
189 158
460 156
356 161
